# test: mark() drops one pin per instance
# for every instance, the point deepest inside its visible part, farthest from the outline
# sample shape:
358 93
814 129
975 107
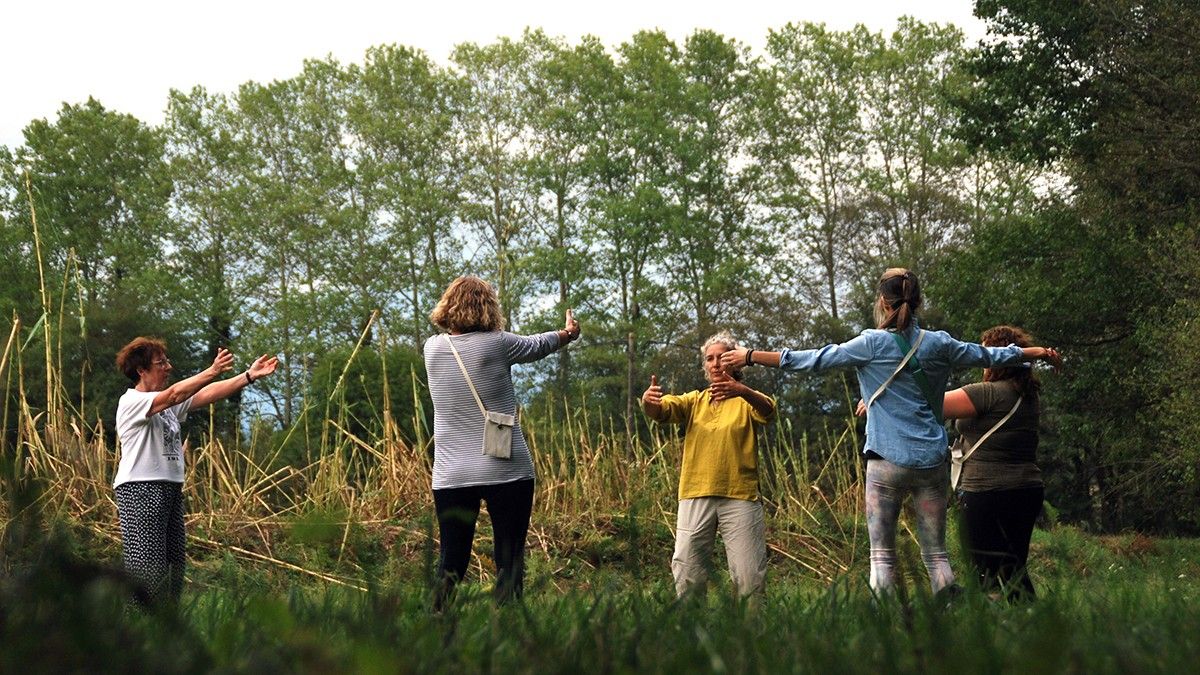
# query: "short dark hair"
139 354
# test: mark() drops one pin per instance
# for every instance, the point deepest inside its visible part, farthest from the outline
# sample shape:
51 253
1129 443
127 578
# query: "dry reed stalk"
45 298
12 337
275 561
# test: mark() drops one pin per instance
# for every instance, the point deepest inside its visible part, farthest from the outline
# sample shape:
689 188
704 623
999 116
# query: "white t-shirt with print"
151 447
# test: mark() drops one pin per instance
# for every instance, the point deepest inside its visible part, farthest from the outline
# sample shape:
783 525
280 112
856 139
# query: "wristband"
249 380
749 357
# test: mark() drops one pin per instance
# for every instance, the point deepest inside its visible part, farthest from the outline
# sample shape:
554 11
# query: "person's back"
906 442
458 425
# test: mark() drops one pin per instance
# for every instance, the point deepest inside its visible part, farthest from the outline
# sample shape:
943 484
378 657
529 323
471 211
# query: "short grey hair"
722 338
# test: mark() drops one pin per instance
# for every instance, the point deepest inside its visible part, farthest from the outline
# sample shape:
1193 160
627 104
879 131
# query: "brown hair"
899 299
469 304
1021 374
139 354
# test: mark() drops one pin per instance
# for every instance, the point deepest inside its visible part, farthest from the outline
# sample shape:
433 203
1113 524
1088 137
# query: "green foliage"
664 190
373 378
1106 90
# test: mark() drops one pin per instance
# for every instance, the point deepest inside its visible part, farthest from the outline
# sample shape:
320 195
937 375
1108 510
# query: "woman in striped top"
463 476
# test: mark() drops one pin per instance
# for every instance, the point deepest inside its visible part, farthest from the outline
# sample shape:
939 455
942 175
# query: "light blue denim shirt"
901 426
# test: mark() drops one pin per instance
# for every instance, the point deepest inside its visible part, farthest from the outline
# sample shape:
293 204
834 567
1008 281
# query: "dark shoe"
948 596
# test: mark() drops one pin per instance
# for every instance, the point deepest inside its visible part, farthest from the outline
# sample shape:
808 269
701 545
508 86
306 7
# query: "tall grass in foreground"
596 484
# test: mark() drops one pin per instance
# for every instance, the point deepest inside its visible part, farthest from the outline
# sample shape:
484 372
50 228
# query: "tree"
404 112
911 206
1108 91
498 199
814 148
716 243
560 133
211 244
99 186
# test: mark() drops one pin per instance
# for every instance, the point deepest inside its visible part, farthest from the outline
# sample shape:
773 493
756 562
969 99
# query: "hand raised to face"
725 387
733 359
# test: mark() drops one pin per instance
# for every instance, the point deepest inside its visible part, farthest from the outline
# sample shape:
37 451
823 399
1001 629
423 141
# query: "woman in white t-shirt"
149 481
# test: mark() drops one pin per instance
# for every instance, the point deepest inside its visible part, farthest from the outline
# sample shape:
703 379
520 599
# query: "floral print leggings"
887 485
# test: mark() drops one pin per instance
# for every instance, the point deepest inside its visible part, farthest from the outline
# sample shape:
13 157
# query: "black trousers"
509 505
997 526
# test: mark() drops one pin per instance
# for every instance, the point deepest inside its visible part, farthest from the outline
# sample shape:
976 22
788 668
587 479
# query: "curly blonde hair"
469 304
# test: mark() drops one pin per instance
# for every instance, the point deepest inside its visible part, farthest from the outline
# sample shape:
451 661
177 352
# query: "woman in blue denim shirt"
906 442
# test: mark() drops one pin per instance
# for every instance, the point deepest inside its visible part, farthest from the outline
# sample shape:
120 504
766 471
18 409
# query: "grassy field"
1108 604
325 566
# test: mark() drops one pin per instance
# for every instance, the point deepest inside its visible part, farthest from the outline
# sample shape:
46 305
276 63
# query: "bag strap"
466 377
919 375
903 362
995 426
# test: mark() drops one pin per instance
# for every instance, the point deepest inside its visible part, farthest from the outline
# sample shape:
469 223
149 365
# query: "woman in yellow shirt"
718 483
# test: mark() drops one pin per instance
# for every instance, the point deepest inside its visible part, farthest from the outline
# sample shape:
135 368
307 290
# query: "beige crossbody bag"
497 427
958 456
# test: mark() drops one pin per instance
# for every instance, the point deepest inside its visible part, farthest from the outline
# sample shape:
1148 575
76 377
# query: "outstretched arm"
736 358
570 330
262 366
1048 354
185 389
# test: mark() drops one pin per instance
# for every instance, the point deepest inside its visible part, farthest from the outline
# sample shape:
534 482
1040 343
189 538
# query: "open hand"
860 410
1053 358
263 366
571 326
222 362
725 387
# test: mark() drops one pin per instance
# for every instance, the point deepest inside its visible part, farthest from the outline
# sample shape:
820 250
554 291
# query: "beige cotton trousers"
743 531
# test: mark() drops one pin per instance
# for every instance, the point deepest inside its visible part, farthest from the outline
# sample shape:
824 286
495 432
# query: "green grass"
1111 604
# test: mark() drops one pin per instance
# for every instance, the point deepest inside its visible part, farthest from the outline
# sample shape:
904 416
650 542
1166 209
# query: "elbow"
174 396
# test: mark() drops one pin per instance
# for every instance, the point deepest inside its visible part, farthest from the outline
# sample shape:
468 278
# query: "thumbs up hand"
571 326
653 394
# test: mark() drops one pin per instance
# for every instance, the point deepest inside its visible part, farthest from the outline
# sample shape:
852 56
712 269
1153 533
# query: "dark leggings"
509 505
997 526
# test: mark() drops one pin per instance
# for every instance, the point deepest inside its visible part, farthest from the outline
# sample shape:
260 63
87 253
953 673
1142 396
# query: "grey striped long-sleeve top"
458 459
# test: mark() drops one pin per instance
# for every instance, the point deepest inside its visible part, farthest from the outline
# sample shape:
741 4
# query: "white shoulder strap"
967 453
903 362
466 377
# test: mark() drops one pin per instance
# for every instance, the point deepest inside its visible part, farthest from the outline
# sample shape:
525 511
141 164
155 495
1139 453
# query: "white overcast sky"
128 54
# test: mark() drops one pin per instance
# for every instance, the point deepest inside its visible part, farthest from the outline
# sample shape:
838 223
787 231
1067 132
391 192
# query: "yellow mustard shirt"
719 459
